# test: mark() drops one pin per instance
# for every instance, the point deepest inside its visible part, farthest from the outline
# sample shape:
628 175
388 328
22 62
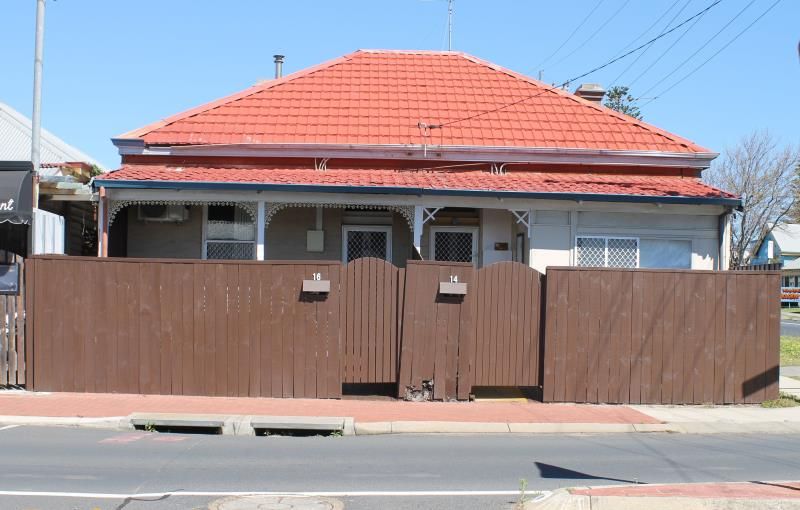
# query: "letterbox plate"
317 286
453 289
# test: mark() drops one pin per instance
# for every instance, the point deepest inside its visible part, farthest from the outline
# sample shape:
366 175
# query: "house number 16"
316 276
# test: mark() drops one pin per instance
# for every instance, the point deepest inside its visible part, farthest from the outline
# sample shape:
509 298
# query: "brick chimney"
591 92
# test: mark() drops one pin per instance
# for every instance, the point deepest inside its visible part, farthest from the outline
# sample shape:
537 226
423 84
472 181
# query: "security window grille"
607 252
367 241
229 234
226 250
453 246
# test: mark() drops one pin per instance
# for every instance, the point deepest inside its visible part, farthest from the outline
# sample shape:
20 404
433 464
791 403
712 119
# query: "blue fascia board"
387 190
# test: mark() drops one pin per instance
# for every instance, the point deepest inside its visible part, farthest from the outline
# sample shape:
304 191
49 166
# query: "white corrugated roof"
787 236
792 264
15 142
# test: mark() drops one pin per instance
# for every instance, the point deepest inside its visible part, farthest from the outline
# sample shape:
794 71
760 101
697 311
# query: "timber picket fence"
246 328
12 330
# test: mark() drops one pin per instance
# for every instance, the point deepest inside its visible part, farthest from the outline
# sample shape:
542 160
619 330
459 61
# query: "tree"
765 176
617 98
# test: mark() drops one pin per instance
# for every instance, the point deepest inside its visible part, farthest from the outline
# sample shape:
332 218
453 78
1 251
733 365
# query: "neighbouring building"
65 221
781 245
414 155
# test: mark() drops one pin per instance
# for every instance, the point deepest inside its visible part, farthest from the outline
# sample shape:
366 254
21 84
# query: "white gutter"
427 152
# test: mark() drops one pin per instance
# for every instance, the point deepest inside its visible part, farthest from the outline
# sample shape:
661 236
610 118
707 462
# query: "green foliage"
523 489
790 350
617 98
785 400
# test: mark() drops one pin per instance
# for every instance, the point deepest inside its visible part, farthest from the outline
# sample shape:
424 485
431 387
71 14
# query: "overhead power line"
690 73
701 48
601 27
571 35
424 126
648 29
643 53
664 53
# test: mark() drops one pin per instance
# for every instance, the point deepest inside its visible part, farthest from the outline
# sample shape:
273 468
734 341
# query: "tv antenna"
450 24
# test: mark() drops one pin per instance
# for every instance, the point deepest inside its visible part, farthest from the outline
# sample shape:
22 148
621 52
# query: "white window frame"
206 240
467 230
605 252
367 228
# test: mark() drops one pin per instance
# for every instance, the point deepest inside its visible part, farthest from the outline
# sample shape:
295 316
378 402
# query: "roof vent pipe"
278 66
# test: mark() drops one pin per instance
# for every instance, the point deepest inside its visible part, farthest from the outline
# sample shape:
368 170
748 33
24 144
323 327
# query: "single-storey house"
781 245
413 155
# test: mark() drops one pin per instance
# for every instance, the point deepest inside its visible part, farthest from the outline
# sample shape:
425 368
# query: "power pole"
36 124
450 24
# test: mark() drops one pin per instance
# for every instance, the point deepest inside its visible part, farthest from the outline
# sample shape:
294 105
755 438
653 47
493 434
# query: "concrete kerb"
107 423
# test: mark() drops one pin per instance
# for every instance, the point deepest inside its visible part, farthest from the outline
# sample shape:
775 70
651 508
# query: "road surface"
790 328
67 469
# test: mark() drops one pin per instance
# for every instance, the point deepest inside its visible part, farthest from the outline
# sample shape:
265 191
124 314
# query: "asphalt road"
126 466
790 328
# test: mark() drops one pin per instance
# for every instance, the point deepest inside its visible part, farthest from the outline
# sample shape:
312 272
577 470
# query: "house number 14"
453 279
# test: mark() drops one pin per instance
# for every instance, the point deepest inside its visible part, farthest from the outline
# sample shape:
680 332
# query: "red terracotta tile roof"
380 97
451 179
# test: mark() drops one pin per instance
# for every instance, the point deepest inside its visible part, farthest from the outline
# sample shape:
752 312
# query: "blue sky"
112 66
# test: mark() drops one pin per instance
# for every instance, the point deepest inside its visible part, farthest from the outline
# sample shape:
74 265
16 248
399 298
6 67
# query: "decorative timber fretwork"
115 206
406 211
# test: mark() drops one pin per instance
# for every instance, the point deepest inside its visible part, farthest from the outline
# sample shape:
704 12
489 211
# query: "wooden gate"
372 291
508 306
435 327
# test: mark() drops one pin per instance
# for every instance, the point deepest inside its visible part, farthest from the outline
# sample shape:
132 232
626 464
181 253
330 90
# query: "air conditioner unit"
163 213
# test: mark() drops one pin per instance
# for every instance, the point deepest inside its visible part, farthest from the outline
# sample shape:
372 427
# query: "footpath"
362 416
689 496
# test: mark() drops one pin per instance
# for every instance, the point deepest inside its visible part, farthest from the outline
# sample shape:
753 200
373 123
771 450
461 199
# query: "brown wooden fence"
247 329
660 336
183 327
12 329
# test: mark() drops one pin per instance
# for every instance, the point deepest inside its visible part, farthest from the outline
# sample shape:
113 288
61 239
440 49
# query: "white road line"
9 427
333 494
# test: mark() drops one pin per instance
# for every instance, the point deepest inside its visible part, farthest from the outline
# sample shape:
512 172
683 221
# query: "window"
454 244
607 251
665 253
366 241
229 233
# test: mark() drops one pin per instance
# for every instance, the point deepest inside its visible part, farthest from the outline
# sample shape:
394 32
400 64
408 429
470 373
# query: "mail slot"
453 288
317 286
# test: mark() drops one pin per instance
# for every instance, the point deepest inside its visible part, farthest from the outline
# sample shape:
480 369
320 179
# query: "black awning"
16 191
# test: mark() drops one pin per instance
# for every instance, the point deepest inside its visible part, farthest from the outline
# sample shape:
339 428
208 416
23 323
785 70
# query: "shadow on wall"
760 382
